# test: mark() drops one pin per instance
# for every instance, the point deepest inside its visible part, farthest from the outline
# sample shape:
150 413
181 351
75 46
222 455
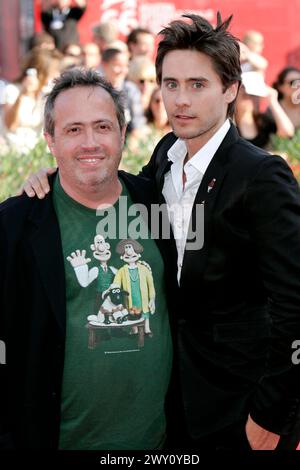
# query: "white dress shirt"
179 198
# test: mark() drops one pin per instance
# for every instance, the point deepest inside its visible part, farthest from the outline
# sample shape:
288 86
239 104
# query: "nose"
89 141
118 70
182 97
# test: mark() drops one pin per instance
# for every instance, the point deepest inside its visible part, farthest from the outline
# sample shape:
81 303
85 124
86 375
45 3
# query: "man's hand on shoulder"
37 184
259 438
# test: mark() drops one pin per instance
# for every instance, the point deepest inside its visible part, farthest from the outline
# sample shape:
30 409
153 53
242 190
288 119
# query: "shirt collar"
202 158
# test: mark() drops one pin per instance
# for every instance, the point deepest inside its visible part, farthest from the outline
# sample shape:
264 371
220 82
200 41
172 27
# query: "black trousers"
232 437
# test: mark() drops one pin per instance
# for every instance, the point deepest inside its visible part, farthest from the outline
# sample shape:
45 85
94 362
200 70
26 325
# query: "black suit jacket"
32 318
239 309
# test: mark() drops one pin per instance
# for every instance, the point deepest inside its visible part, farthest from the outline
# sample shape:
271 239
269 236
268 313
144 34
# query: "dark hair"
132 37
281 78
40 39
109 54
148 112
199 35
79 77
42 60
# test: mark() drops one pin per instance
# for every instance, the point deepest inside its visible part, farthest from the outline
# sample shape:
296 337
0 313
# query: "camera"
31 72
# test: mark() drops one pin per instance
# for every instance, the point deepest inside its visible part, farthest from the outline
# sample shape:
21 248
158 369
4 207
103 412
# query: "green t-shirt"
118 346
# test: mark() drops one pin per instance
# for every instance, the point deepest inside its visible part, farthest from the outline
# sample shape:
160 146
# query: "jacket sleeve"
149 170
272 203
6 440
76 13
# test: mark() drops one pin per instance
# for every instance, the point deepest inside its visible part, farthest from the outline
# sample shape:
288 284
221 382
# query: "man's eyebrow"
102 121
167 79
189 79
198 79
70 124
81 123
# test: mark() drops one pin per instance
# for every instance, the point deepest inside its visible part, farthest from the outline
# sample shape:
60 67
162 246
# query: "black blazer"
32 318
239 309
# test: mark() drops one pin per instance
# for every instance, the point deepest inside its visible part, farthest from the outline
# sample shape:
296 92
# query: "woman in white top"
24 101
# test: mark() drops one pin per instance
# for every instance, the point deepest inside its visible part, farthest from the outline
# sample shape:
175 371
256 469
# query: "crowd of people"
122 340
261 111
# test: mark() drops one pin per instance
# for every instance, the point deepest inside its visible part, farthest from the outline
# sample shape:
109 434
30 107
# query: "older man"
59 389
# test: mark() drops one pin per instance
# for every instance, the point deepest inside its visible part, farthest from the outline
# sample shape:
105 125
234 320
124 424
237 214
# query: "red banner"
151 14
129 14
277 21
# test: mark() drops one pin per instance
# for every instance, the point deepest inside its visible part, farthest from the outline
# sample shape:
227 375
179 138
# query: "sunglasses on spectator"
72 54
142 81
294 82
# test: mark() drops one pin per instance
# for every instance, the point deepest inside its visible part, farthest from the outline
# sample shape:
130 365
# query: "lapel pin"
211 185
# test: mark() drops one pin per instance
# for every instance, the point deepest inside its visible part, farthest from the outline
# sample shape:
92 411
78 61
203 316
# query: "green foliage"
133 160
138 151
289 149
15 167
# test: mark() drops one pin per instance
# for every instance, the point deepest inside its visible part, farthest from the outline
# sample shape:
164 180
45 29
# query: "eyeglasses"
142 81
72 54
294 82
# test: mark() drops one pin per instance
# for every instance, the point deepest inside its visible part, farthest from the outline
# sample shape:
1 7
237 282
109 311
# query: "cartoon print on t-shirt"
136 278
112 309
104 274
125 297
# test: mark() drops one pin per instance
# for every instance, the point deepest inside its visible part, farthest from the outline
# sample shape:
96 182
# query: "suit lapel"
163 169
207 194
163 163
46 247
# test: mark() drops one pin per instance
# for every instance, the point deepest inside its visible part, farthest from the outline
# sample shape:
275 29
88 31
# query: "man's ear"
231 92
50 141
